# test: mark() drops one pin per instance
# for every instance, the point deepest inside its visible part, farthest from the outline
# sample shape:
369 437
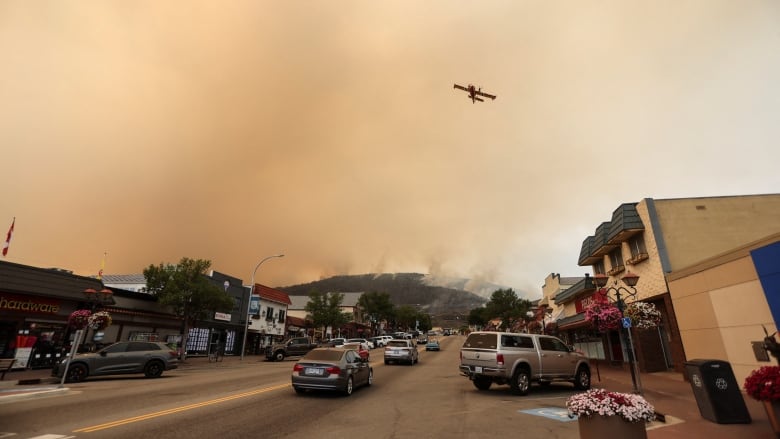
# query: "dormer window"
638 250
616 261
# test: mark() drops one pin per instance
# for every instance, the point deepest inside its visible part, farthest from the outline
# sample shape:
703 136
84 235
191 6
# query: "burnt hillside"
403 288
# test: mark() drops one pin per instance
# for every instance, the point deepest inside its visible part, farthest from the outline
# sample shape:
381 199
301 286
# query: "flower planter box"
601 427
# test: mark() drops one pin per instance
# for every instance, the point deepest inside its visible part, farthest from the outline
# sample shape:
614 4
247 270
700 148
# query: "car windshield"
324 355
397 344
351 345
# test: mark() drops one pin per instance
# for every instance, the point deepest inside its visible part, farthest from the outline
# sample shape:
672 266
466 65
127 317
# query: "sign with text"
28 304
254 305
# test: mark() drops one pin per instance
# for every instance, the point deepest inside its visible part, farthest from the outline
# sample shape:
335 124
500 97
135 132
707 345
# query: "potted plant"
602 313
602 413
763 384
79 319
99 320
644 315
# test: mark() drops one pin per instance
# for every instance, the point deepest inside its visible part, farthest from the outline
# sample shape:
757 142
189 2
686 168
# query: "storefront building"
651 239
35 304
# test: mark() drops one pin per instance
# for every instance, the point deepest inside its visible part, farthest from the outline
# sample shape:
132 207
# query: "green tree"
478 317
406 316
324 309
505 304
185 288
377 306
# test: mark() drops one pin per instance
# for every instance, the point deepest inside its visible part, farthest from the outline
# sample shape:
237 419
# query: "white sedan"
366 344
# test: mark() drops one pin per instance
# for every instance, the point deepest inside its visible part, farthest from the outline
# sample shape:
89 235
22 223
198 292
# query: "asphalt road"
254 399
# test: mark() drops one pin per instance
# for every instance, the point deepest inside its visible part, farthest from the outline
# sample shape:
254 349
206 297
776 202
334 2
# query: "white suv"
401 351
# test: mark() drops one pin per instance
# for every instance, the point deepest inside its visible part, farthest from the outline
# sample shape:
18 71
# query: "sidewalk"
669 393
673 397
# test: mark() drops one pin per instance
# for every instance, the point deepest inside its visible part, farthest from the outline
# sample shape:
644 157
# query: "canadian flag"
8 238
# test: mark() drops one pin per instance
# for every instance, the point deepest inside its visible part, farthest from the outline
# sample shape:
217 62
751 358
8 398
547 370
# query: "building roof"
124 279
271 294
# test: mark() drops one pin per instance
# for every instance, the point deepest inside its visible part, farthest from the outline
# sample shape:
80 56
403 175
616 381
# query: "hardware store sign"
26 304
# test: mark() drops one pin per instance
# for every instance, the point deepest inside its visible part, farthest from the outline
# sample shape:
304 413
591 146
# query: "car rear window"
398 344
481 341
324 355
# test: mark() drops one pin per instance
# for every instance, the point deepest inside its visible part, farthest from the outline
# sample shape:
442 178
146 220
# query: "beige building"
724 303
653 239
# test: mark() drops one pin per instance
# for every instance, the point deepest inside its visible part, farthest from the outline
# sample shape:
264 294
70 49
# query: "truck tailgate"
478 357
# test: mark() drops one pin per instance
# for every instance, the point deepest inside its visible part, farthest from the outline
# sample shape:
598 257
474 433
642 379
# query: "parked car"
336 342
124 357
368 344
401 351
288 348
422 339
359 347
331 369
489 357
432 345
378 341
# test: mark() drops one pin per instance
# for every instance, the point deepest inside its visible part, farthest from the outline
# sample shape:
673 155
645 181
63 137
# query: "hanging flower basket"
79 319
643 315
602 313
100 320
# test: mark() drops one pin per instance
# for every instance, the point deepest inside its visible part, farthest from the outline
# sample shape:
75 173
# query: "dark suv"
146 357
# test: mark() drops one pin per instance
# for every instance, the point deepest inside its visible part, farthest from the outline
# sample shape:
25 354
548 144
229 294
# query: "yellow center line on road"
178 409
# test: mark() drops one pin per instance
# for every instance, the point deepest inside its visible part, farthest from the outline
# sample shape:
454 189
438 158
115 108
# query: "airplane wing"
461 87
486 95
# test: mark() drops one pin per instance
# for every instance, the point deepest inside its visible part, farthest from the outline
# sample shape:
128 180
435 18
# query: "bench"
5 365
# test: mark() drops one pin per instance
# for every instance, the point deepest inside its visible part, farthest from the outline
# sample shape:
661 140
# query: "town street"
236 399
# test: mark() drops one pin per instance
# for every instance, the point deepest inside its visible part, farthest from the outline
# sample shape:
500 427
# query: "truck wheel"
520 382
278 356
582 379
482 383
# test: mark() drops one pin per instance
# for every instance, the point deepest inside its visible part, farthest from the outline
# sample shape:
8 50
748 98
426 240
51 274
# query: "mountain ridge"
403 288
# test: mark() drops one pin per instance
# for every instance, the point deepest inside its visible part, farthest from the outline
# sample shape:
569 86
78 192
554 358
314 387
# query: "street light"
630 279
249 299
98 298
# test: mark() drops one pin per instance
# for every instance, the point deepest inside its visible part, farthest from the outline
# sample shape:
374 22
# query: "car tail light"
173 354
500 359
297 368
333 370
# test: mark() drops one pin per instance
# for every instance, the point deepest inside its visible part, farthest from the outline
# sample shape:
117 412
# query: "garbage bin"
717 392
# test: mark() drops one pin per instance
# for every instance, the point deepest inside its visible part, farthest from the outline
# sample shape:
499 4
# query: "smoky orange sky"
330 130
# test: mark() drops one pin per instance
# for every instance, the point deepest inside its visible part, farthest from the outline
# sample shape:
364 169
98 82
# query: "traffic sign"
626 322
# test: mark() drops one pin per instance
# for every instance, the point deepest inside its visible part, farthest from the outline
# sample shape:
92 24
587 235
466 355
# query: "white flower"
632 408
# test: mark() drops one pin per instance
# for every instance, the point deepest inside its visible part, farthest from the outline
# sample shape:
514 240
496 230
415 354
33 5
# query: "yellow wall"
687 224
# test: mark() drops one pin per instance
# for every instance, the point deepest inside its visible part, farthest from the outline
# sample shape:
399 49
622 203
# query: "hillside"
403 288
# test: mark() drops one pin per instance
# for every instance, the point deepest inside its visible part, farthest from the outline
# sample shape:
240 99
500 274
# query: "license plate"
314 371
477 369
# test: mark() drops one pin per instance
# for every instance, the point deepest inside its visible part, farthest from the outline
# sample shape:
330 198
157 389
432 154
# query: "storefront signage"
27 304
254 306
221 316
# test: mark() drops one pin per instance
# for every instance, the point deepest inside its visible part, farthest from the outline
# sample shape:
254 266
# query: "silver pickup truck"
520 359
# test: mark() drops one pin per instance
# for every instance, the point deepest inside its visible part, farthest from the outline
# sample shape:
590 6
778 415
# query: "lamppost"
100 298
630 279
249 299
